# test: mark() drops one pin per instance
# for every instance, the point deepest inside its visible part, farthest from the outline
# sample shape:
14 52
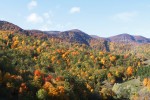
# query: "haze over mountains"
74 35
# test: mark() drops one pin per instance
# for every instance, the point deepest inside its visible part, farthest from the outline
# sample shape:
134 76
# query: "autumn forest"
71 65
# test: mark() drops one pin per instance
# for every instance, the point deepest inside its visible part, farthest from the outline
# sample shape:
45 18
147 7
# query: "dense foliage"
34 68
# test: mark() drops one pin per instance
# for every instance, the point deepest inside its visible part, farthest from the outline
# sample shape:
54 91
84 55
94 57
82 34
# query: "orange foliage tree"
129 71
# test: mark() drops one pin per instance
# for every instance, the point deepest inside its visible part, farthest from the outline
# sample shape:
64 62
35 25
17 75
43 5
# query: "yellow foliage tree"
101 53
103 60
112 58
47 85
145 81
129 71
38 49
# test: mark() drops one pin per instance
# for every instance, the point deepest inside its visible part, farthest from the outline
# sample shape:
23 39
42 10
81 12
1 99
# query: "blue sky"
100 17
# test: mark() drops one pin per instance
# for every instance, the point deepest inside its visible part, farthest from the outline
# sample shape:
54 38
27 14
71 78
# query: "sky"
95 17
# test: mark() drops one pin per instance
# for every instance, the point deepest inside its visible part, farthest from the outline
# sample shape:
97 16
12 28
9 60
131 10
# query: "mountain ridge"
74 35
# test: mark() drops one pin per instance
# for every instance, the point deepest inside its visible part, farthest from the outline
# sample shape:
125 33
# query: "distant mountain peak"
73 35
7 26
127 38
125 34
75 30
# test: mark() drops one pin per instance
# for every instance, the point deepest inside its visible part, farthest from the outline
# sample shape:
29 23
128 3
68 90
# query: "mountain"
52 32
127 38
97 37
141 39
7 26
74 35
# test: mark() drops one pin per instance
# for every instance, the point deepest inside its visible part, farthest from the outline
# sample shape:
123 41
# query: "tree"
129 71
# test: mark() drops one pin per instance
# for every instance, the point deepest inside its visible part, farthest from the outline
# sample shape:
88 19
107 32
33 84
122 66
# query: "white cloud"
34 18
75 10
32 4
46 23
125 16
58 26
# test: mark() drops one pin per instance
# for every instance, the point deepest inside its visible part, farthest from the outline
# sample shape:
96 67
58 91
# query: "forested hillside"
50 68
